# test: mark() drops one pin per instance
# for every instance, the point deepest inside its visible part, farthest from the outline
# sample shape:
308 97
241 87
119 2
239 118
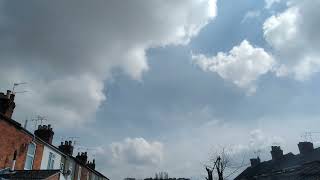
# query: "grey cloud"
72 45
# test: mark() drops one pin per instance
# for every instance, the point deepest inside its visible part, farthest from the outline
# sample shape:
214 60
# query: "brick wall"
13 139
38 156
84 173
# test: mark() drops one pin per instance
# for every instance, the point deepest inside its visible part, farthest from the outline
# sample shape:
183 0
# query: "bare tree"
221 166
209 171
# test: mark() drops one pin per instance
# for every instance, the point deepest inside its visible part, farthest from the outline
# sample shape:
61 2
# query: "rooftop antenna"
38 119
74 139
309 136
17 84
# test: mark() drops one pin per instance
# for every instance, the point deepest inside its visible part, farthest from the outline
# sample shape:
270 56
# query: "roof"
29 174
289 163
304 171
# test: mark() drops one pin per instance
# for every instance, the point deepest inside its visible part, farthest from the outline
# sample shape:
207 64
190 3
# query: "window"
30 156
52 157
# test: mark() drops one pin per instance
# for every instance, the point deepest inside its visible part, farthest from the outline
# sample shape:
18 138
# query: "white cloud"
243 65
67 49
131 157
137 151
270 3
259 140
294 36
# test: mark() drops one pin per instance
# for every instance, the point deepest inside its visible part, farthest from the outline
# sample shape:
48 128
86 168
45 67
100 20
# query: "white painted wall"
45 158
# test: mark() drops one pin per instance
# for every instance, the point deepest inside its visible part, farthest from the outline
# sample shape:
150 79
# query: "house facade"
26 154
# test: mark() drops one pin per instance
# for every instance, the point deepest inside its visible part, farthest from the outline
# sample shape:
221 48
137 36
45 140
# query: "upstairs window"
30 156
51 160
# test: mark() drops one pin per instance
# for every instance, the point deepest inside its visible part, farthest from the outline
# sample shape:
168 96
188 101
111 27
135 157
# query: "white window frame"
30 155
51 160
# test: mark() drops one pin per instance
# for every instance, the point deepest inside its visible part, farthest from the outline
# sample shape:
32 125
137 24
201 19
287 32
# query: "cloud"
294 37
63 47
131 157
138 151
259 140
242 65
270 3
251 15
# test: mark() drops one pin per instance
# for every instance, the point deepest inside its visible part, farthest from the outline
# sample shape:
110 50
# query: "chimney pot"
8 94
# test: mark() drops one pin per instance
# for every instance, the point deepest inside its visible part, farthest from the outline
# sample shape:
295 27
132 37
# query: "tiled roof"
29 174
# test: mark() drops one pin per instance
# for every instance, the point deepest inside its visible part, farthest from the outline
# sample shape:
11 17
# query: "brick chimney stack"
7 104
66 147
305 147
45 133
255 161
276 153
83 157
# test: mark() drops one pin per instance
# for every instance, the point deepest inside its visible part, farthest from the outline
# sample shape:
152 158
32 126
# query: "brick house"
26 154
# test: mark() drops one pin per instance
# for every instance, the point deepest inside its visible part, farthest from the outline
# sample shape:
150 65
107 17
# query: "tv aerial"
38 120
18 84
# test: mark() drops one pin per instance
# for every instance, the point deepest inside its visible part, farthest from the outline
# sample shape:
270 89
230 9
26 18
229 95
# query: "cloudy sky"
154 86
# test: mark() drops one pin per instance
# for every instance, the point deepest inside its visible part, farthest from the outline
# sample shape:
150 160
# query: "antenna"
17 84
74 139
20 92
309 136
38 119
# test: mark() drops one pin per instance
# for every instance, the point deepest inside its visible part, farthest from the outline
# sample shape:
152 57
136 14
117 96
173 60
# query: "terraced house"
26 155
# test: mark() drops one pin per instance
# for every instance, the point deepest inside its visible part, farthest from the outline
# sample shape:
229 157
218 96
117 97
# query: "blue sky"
147 91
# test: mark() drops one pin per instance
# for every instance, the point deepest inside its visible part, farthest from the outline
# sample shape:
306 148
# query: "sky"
152 86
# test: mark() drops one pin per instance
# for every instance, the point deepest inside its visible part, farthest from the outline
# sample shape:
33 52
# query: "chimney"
276 153
255 161
305 147
7 104
45 133
66 147
83 157
92 164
